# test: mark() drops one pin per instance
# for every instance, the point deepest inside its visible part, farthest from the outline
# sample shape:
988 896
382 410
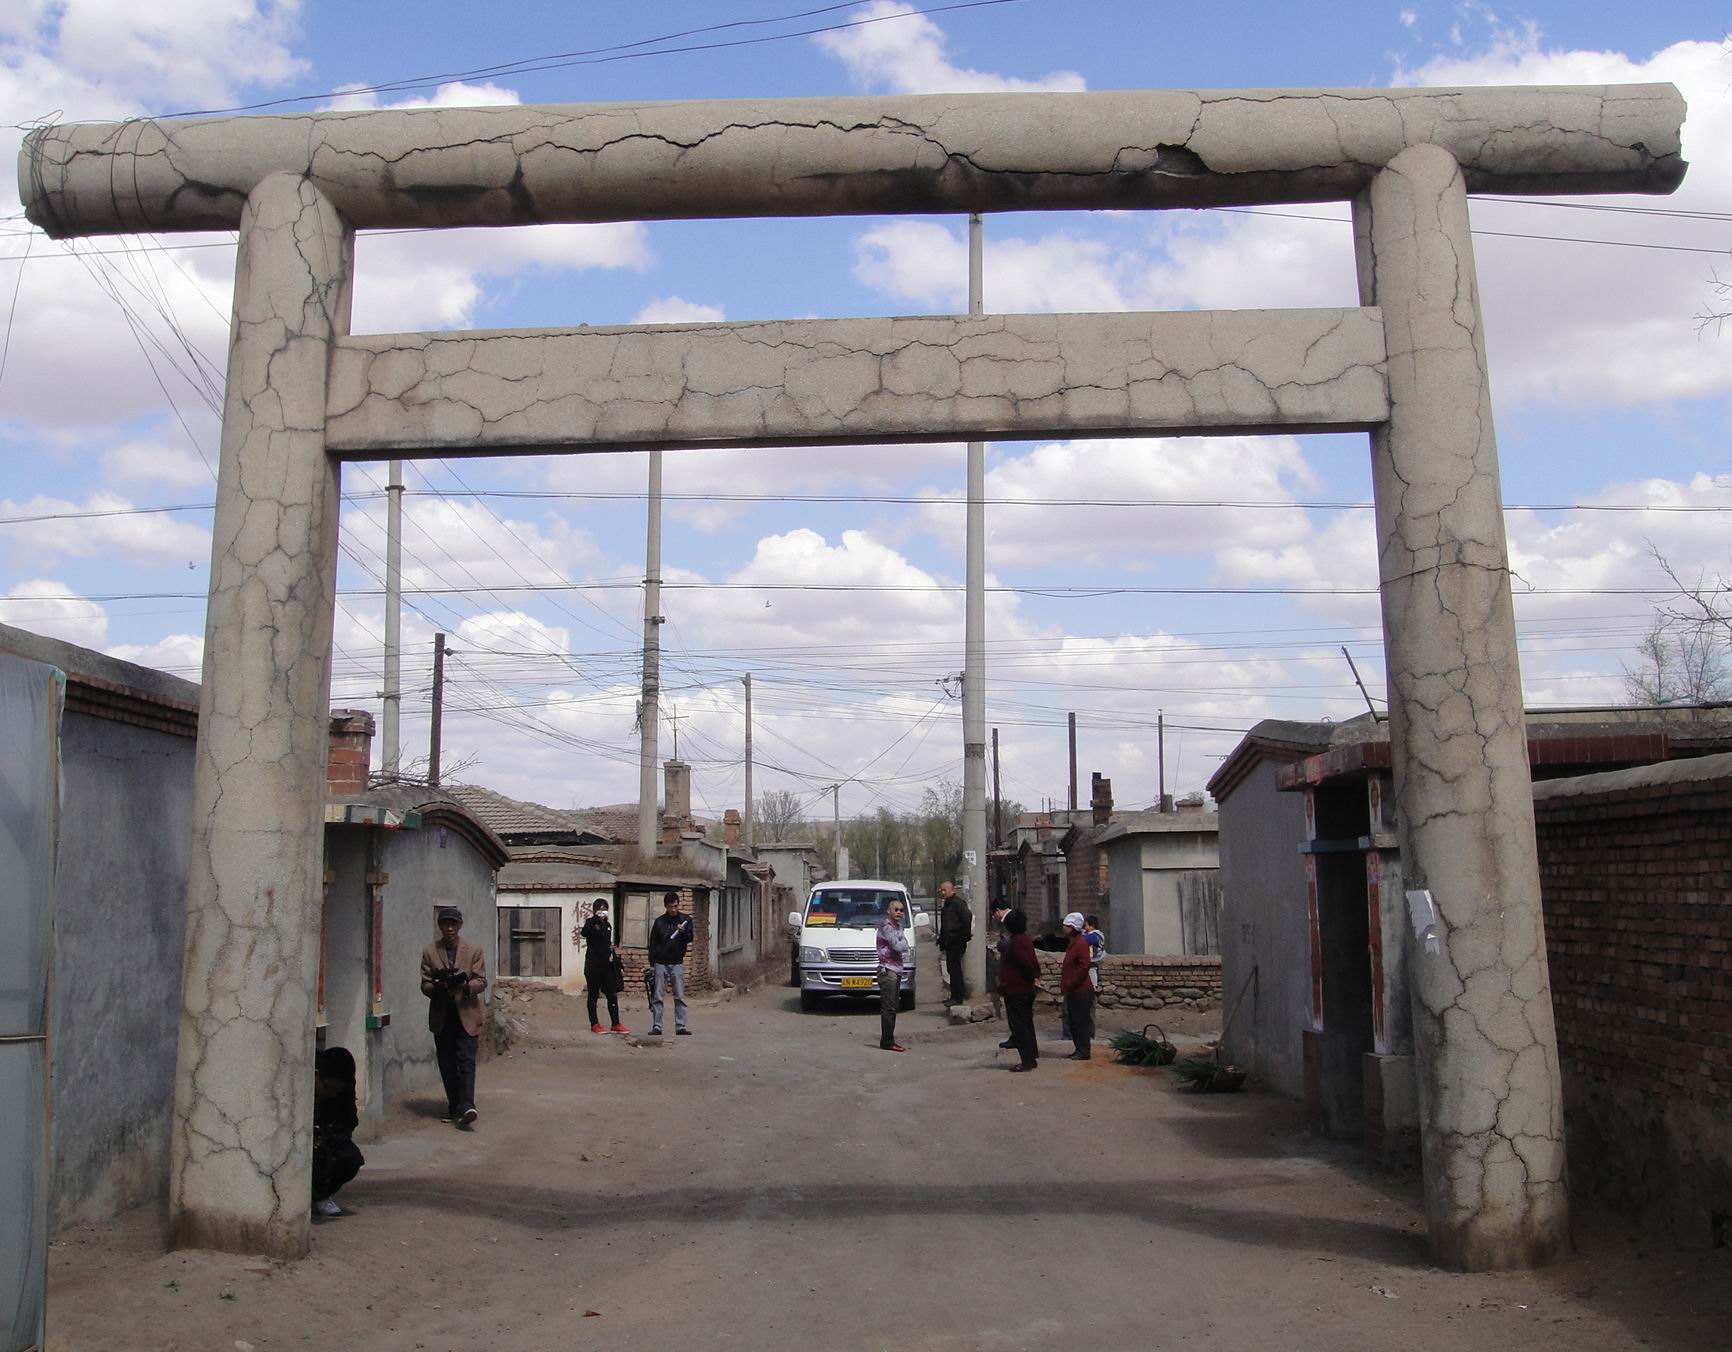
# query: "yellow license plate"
858 983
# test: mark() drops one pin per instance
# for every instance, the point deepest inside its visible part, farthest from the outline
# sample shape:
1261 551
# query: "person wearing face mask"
601 968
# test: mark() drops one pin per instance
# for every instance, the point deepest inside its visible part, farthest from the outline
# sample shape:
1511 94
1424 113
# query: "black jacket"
955 924
669 938
597 936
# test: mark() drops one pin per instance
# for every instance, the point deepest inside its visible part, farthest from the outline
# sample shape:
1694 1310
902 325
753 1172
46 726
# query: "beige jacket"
470 960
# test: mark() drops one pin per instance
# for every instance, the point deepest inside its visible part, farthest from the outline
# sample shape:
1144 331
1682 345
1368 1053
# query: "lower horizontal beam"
856 381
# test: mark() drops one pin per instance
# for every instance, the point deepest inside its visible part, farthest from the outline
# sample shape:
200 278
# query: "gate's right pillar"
1490 1100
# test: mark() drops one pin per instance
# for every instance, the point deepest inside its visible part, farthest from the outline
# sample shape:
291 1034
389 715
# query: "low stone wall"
1146 981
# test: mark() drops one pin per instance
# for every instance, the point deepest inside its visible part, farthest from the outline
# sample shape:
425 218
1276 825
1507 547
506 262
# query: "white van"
838 943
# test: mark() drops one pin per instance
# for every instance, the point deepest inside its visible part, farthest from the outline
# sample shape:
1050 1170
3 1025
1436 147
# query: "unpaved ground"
777 1182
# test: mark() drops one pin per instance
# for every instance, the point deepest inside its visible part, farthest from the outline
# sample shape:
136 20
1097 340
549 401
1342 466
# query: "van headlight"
810 954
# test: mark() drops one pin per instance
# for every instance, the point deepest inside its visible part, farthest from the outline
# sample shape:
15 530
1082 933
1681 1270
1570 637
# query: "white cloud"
907 55
1579 323
151 540
927 263
436 279
1196 469
179 654
201 50
1408 18
157 462
676 310
453 94
44 606
454 542
697 484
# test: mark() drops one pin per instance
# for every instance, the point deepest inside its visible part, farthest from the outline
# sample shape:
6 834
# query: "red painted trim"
1316 931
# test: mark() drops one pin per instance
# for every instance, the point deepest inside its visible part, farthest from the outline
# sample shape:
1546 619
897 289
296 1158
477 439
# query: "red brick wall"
1636 880
351 752
636 960
1085 884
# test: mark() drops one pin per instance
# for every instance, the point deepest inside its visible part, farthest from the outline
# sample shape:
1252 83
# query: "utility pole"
974 664
436 731
390 730
836 815
748 831
1073 762
648 715
1161 757
997 799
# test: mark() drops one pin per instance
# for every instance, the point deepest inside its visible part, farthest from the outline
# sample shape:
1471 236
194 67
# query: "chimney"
351 753
1101 798
731 828
676 800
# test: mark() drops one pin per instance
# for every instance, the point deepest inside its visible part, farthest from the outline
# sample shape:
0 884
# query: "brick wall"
1085 884
1139 981
351 752
636 960
1636 877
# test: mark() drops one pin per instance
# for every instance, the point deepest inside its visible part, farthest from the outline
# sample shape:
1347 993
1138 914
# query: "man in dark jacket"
955 929
669 938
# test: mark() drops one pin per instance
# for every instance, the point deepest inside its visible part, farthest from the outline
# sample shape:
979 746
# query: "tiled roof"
517 817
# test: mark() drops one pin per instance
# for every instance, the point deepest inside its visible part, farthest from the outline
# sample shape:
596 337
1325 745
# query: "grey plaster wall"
429 868
1264 927
1154 881
120 925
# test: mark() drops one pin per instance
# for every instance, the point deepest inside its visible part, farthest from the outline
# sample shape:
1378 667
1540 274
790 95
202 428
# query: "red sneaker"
617 1028
597 1028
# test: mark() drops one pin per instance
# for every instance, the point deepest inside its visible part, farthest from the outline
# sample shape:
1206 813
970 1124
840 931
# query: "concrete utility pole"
974 666
836 817
648 714
436 729
1072 722
390 734
997 799
1161 804
747 833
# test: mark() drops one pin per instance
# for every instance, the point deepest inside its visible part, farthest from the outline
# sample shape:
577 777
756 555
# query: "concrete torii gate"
1408 367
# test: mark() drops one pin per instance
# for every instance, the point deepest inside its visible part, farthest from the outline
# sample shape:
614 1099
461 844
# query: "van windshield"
853 907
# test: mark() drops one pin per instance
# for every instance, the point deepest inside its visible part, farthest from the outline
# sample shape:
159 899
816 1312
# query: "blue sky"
1607 395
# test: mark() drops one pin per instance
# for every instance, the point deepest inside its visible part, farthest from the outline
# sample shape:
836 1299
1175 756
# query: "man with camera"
453 976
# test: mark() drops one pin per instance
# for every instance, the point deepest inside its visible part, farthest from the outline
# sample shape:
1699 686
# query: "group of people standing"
1019 981
1013 973
604 971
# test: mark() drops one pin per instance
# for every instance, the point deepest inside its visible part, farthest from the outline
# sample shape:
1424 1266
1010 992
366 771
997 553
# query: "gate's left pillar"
242 1150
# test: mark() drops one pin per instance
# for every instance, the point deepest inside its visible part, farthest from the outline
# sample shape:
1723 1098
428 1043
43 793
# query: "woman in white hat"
1075 987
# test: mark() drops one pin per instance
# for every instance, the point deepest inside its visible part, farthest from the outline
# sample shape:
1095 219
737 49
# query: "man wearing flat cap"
453 976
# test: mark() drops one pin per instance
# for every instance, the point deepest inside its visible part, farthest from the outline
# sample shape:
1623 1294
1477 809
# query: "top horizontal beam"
517 165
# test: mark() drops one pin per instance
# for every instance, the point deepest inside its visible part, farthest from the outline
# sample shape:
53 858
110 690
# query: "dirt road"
777 1182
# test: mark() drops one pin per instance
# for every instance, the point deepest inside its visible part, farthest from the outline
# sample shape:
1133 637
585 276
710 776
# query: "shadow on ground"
1172 1207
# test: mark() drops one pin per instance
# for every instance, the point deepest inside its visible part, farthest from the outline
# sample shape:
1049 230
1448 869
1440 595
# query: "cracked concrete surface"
846 156
301 395
1491 1114
241 1154
857 380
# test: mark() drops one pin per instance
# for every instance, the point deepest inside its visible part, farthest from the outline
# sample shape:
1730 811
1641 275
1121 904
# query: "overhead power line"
1233 504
